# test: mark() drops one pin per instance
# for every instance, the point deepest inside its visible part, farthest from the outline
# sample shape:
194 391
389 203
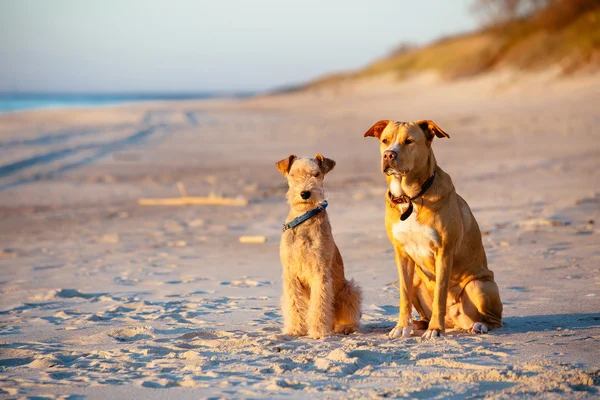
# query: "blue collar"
304 217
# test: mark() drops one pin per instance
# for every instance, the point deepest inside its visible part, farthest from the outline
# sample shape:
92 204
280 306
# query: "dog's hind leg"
294 306
479 308
346 307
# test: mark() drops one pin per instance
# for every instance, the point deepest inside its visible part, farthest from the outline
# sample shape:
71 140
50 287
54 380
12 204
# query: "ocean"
10 102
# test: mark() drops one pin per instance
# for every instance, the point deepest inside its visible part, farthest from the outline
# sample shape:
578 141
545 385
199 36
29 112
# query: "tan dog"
316 296
432 227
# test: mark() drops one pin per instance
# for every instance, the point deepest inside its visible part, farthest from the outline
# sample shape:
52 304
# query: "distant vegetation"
521 34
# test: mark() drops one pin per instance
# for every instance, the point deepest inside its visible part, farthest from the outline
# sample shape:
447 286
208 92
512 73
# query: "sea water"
10 102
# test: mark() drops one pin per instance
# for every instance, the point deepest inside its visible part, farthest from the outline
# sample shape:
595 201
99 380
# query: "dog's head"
305 179
404 146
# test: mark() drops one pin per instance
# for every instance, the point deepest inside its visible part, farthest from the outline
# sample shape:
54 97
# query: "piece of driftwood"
192 200
186 200
253 239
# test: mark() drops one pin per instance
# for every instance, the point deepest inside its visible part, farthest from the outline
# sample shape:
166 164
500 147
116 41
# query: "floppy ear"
377 128
326 164
431 129
284 165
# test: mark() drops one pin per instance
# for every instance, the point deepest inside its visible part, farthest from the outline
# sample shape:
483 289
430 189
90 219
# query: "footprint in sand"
65 294
245 282
537 224
131 334
345 362
125 281
15 362
208 335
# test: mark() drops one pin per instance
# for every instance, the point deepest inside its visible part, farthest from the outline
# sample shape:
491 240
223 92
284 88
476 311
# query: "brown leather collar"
403 199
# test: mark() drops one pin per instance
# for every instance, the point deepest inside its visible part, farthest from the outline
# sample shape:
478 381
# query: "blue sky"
200 45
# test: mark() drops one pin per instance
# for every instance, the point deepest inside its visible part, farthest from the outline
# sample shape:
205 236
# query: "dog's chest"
301 244
305 251
417 240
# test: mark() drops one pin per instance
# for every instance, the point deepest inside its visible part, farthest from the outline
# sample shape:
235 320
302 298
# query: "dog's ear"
377 128
284 165
431 129
326 164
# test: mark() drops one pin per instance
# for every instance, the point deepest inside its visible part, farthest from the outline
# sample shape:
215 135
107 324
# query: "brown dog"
317 298
432 227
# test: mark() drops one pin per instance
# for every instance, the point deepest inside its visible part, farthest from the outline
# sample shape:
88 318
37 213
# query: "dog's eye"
384 141
408 141
316 174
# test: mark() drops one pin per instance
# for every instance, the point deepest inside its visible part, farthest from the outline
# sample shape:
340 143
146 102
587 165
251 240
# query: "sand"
101 297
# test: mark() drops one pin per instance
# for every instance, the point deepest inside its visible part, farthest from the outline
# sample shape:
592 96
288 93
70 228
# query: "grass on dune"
555 35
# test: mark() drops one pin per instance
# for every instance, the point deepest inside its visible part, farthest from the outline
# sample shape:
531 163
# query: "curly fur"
317 299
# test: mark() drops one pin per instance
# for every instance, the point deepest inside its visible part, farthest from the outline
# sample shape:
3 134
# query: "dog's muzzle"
388 158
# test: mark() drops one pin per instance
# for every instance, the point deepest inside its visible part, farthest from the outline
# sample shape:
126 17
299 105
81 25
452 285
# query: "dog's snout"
305 194
389 155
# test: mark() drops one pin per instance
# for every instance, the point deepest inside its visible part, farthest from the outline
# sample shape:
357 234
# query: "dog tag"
407 213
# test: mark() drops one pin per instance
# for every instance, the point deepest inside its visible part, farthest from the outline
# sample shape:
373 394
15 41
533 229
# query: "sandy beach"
101 297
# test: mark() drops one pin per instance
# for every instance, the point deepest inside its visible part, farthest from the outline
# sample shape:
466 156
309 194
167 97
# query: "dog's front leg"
406 271
443 268
294 306
320 309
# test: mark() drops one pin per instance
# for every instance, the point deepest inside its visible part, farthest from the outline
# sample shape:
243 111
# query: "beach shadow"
72 293
45 267
10 330
389 309
541 323
15 362
512 325
381 327
192 117
46 305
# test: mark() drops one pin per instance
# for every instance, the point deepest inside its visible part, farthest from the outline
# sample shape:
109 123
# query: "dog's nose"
305 194
389 155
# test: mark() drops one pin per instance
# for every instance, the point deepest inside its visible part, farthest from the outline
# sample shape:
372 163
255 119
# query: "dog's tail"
347 304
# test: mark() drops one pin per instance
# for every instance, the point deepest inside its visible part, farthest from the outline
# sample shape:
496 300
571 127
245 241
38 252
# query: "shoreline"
100 100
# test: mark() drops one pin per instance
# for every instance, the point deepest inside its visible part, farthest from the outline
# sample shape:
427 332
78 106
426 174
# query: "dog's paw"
431 334
344 329
294 332
318 334
478 327
400 332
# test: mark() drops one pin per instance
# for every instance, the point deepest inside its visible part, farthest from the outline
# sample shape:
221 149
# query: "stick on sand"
253 239
186 200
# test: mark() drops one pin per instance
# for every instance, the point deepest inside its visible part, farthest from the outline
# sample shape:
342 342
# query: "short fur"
440 241
316 296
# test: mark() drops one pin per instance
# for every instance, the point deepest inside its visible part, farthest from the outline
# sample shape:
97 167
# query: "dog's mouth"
305 199
299 201
308 201
398 173
306 204
393 168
